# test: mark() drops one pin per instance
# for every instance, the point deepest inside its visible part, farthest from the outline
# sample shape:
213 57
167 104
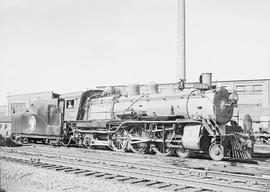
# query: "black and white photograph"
134 95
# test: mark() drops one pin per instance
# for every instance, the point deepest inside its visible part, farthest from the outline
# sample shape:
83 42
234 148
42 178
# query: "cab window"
70 104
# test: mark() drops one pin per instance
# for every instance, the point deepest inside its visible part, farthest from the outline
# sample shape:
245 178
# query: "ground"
17 177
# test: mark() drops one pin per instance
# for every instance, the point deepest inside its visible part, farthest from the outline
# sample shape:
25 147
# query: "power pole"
181 52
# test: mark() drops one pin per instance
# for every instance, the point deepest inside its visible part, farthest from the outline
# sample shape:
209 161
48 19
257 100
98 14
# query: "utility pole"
181 52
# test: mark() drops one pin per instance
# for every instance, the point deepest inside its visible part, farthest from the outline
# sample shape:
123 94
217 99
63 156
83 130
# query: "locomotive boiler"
189 120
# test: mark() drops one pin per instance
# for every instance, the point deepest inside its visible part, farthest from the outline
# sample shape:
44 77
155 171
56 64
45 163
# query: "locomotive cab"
71 108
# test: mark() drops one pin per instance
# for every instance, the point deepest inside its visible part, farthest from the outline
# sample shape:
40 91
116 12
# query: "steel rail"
228 175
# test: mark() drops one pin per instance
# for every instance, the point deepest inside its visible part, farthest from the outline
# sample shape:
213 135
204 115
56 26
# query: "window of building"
257 88
249 88
240 88
70 104
162 90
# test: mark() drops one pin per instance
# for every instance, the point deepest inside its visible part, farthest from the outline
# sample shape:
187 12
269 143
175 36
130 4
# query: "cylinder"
191 137
133 89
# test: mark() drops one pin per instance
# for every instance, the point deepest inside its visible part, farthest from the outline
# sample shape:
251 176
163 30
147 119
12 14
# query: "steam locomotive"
196 120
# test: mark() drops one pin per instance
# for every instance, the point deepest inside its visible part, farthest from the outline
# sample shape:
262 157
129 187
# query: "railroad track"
165 177
233 167
122 161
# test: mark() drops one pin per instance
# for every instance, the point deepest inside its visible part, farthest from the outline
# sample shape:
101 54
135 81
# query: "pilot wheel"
216 152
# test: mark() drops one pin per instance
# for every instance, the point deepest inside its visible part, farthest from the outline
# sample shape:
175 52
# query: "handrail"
208 128
135 101
215 124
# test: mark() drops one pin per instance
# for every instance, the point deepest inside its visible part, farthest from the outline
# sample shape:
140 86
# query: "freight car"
183 122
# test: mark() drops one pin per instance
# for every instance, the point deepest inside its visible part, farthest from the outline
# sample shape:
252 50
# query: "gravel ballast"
19 177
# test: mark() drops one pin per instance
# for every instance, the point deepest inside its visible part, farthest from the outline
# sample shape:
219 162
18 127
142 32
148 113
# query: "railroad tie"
80 171
195 190
100 174
90 173
174 187
150 183
163 185
125 178
111 176
34 164
50 166
62 168
180 188
41 165
71 170
136 180
190 189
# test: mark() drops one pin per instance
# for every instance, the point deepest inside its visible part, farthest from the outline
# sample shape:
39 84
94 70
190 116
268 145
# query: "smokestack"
181 53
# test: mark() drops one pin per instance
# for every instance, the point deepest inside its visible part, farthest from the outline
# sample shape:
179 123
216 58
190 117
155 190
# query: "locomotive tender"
189 120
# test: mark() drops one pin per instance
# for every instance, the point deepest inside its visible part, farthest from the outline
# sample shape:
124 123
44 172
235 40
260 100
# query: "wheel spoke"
182 152
136 135
119 140
160 146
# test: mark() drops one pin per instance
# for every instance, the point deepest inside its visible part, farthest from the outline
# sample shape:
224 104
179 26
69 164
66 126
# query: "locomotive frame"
164 124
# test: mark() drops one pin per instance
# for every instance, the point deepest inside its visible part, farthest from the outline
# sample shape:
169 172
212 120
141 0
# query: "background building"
3 110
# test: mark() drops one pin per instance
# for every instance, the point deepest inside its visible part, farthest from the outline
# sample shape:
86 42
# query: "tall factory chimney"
181 53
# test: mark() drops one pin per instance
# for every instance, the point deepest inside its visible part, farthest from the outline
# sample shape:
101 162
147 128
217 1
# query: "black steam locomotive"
183 122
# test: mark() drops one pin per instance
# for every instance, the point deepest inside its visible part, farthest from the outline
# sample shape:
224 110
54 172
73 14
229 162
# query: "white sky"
71 45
